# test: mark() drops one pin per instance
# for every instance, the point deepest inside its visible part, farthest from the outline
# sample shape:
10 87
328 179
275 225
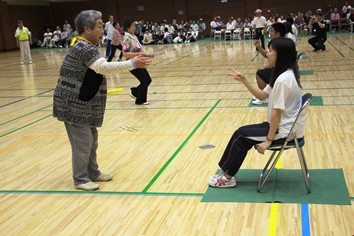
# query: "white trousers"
25 50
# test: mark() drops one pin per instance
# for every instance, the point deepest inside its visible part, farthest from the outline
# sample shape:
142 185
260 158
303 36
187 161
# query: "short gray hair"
87 18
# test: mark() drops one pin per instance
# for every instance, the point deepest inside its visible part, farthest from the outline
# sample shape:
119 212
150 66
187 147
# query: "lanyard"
81 38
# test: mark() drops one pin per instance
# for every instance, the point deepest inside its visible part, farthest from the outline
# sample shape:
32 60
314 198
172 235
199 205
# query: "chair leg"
304 168
266 172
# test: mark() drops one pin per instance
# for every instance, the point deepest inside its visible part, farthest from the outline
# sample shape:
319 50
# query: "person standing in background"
109 32
67 27
23 40
258 23
202 28
346 9
133 48
116 42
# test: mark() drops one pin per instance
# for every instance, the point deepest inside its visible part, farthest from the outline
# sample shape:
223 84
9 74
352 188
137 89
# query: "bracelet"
269 139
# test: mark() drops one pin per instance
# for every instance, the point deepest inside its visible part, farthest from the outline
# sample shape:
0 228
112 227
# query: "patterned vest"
81 93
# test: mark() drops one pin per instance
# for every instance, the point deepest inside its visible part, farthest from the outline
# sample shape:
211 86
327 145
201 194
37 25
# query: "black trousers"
317 42
239 144
260 36
140 92
113 52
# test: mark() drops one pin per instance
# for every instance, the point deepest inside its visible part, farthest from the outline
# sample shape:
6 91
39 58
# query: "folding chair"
289 143
247 33
217 35
227 35
236 34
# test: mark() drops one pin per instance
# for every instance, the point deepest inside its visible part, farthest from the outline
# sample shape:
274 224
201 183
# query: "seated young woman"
284 92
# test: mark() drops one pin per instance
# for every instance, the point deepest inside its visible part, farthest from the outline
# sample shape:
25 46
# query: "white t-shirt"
48 35
293 38
109 28
286 95
259 22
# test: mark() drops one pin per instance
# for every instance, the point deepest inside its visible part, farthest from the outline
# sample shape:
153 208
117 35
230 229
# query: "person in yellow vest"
23 40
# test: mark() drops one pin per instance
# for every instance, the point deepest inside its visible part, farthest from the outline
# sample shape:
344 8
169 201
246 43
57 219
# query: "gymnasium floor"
162 155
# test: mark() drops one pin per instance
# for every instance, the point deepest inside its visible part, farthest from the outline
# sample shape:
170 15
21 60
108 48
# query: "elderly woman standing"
132 48
80 97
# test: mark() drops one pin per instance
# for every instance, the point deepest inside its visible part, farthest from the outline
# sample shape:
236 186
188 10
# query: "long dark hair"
286 59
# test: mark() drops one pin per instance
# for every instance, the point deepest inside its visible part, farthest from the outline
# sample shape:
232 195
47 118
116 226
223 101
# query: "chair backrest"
299 56
306 100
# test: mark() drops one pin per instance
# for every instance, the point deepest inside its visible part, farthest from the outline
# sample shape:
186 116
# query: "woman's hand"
263 146
257 43
237 75
141 62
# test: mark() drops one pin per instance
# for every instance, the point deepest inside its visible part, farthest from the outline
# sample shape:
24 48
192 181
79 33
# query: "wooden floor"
160 171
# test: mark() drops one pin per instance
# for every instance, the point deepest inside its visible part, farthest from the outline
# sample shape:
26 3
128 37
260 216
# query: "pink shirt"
116 37
335 16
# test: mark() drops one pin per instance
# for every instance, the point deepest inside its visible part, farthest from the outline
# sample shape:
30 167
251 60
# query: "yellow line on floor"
272 230
16 144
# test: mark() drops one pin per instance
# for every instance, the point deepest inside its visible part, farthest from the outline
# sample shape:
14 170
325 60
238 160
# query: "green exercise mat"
285 186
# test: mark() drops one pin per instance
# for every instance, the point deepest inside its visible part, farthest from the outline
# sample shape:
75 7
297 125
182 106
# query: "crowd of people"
164 32
188 31
60 37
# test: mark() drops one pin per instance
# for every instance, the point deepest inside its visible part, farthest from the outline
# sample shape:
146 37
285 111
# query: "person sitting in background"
167 37
47 37
239 23
281 19
289 33
292 26
186 27
194 26
191 36
181 37
181 25
63 39
156 32
147 39
56 37
299 23
230 26
335 17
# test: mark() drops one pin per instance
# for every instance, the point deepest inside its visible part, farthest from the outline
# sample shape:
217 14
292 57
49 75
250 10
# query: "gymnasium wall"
35 16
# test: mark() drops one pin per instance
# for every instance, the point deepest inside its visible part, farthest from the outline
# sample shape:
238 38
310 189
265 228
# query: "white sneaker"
22 63
220 181
104 177
259 102
89 186
30 62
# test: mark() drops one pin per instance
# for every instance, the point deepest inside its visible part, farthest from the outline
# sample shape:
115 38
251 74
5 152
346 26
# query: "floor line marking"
179 149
